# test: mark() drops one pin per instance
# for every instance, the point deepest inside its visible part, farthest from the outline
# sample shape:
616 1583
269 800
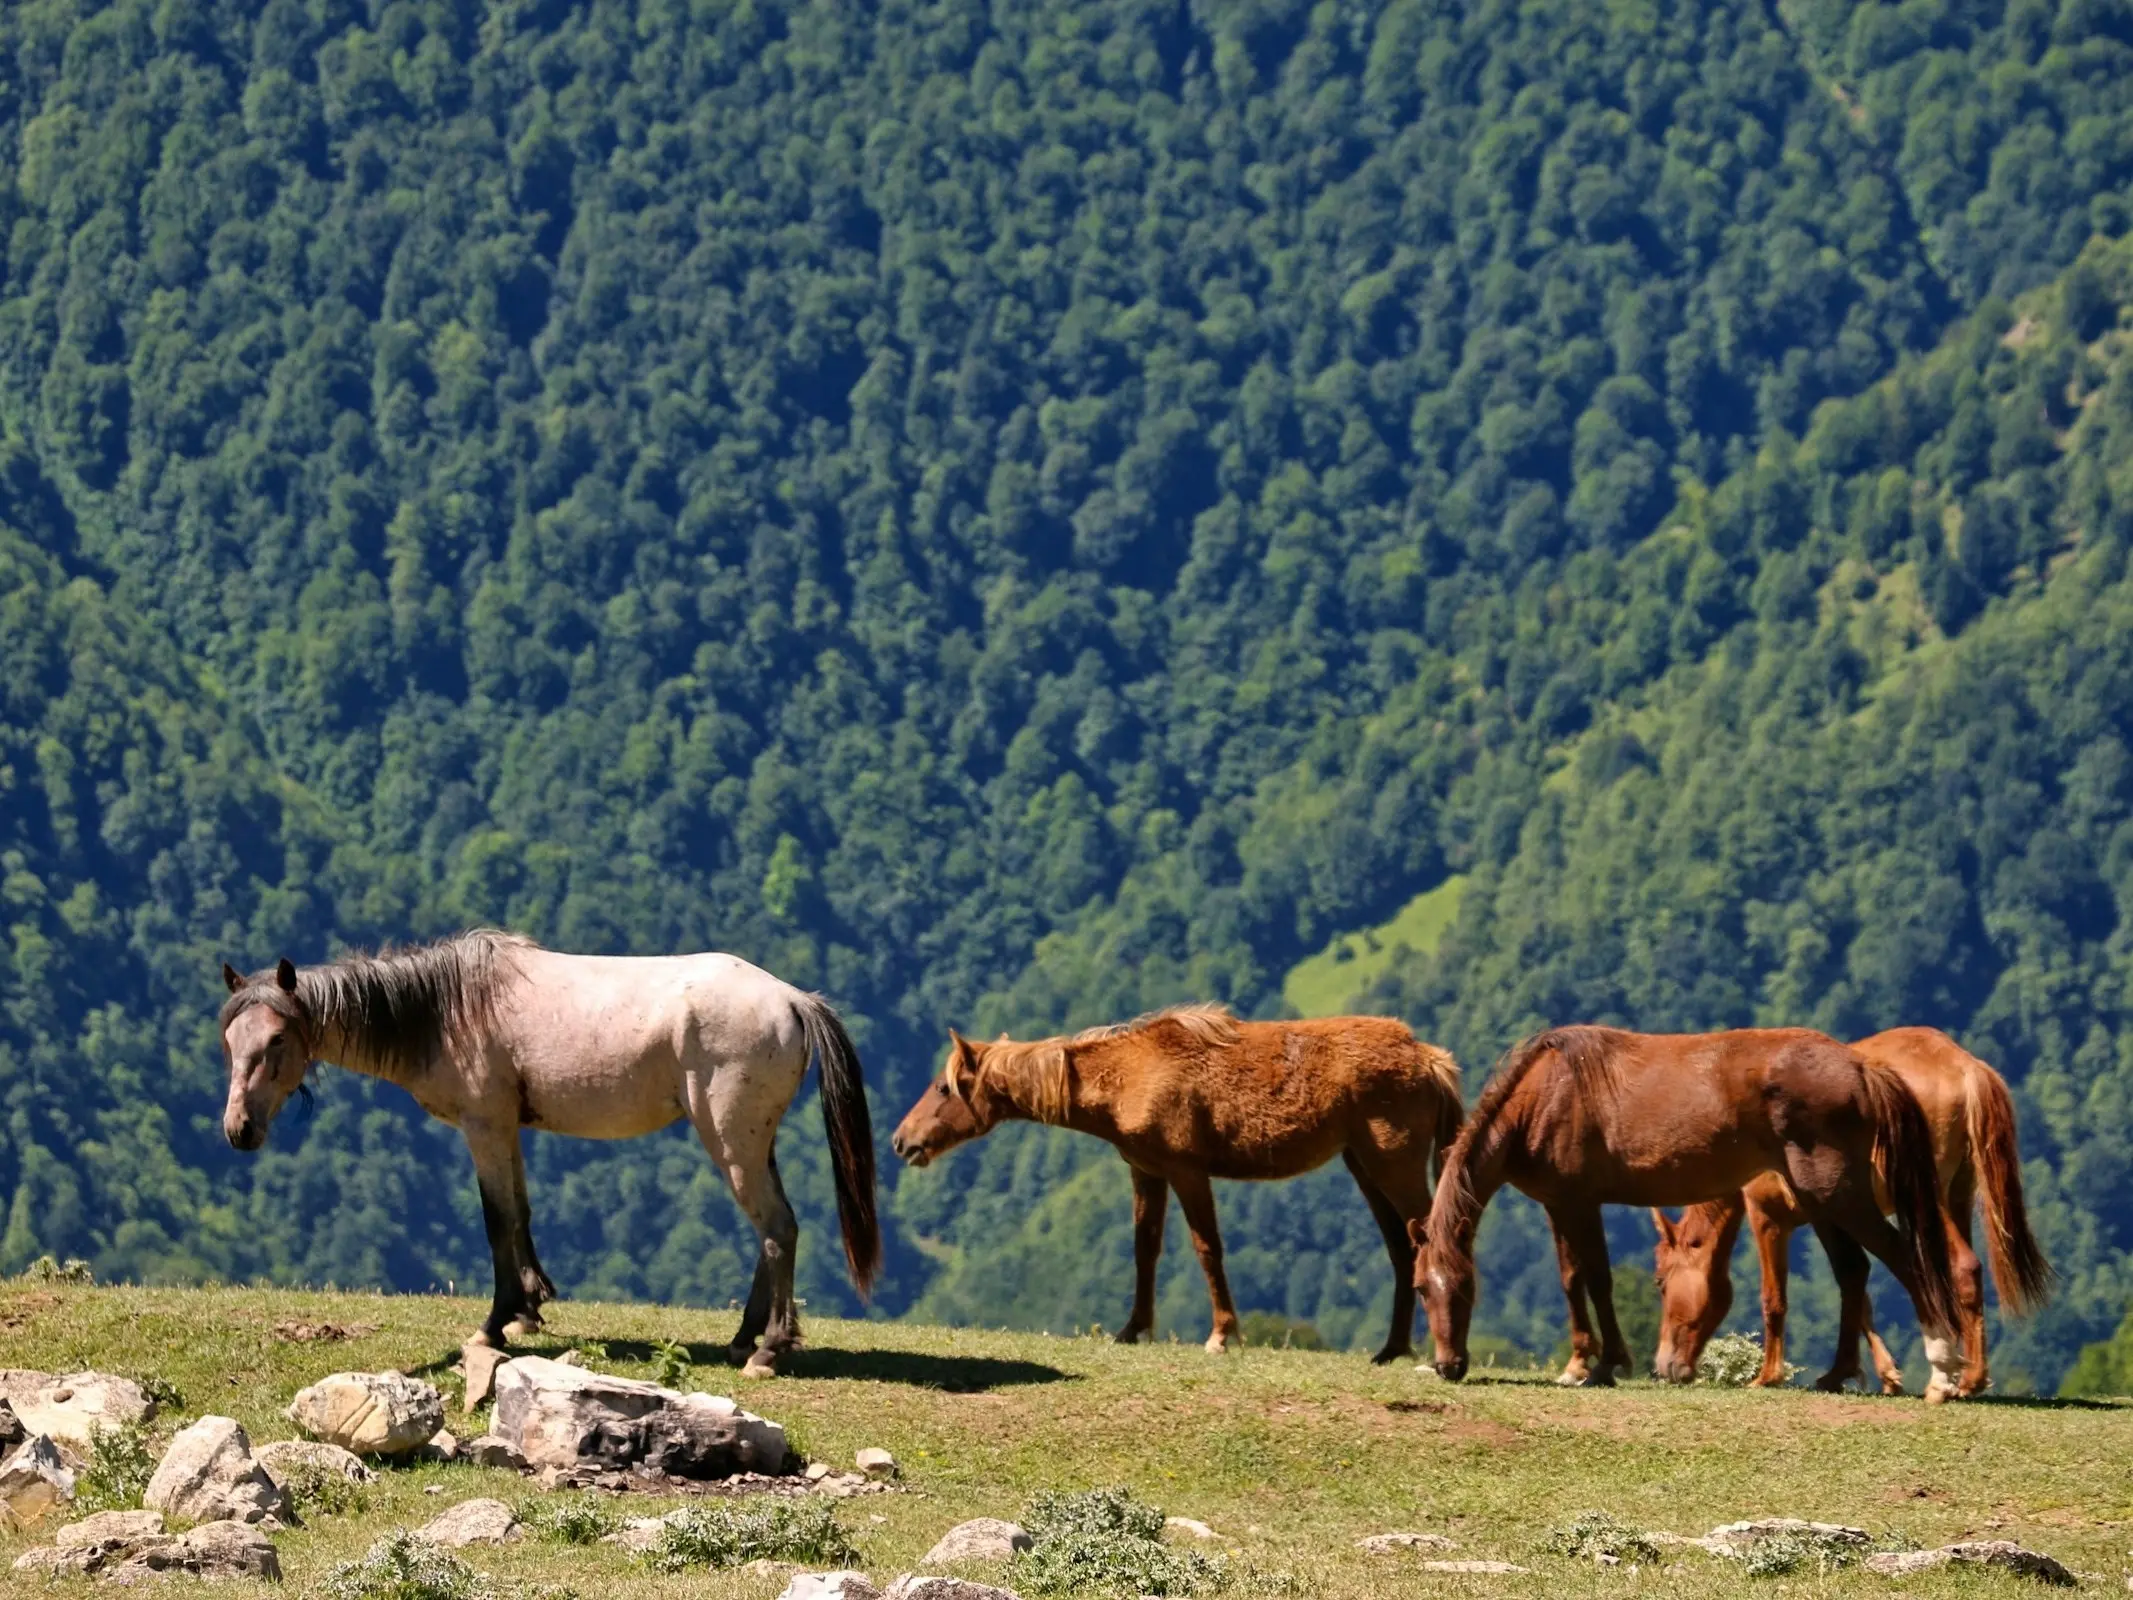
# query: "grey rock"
210 1475
109 1527
1738 1538
480 1362
12 1431
473 1522
285 1458
95 1543
1196 1530
212 1550
875 1462
1386 1544
564 1416
982 1539
2002 1553
1471 1566
443 1446
74 1408
370 1413
490 1451
34 1483
912 1586
831 1586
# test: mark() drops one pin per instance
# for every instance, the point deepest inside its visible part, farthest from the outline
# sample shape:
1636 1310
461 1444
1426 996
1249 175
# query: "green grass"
1329 983
1293 1455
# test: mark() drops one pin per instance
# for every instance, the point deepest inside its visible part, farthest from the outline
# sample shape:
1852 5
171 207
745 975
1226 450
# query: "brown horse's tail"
1903 1154
851 1135
2024 1277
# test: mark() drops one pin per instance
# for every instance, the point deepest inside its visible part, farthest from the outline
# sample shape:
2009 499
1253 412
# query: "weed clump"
728 1535
1734 1360
45 1270
1106 1542
314 1488
120 1465
568 1519
403 1567
1590 1535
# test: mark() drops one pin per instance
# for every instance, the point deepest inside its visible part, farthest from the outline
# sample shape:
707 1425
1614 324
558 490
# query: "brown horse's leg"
1773 1242
1581 1254
1400 1338
1196 1198
507 1216
1849 1266
1151 1199
1970 1298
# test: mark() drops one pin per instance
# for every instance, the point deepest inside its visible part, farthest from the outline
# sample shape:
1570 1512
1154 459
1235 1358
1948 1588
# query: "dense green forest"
1013 515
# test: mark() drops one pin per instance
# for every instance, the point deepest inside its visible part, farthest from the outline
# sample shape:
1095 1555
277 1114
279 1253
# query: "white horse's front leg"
521 1285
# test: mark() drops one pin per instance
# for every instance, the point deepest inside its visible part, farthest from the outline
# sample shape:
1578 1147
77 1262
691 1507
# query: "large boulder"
563 1416
472 1522
982 1539
210 1475
296 1459
212 1550
73 1409
370 1413
34 1483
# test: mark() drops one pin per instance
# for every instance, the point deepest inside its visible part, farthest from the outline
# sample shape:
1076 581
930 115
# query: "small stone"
983 1539
490 1451
2002 1553
1386 1544
480 1362
212 1550
876 1462
764 1567
830 1586
473 1522
443 1446
34 1483
911 1586
1471 1566
433 1488
571 1358
209 1475
370 1413
816 1472
1186 1525
284 1458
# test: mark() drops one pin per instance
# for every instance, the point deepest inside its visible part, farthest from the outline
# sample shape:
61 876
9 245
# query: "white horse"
491 1033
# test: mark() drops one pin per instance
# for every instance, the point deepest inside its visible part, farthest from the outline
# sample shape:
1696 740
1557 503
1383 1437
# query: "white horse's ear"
232 977
285 975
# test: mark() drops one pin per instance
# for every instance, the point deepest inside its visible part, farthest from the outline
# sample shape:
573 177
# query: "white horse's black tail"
851 1135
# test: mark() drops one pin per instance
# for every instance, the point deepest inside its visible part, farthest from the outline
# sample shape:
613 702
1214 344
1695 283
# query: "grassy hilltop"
1292 1455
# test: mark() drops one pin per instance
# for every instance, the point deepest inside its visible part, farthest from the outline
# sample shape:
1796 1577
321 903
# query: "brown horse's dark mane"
1586 1049
1038 1073
395 1008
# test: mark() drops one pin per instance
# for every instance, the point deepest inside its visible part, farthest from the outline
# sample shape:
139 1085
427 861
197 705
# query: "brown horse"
1583 1117
1973 1122
1191 1094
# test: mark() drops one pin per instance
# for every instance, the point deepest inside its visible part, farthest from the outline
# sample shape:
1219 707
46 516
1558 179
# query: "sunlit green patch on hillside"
1329 983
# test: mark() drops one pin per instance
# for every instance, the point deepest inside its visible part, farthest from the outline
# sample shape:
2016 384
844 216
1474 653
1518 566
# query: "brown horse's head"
957 1107
267 1040
1695 1286
1444 1278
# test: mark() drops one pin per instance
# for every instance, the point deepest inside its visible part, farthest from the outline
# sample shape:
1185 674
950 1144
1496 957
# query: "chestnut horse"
1191 1094
1583 1117
1973 1122
491 1033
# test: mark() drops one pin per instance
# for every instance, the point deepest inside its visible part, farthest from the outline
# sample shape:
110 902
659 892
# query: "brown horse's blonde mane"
1586 1050
1038 1073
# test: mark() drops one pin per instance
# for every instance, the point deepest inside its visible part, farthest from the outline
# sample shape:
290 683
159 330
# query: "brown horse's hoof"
1387 1356
1128 1335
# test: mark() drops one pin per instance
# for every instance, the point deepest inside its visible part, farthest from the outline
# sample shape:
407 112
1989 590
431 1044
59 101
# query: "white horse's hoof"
760 1365
1216 1345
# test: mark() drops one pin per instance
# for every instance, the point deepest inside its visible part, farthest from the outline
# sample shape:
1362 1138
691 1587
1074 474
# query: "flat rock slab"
75 1407
831 1586
1738 1538
1192 1529
287 1458
982 1539
473 1522
912 1586
1389 1544
370 1413
1471 1566
2002 1553
34 1484
566 1417
210 1475
95 1543
479 1362
212 1550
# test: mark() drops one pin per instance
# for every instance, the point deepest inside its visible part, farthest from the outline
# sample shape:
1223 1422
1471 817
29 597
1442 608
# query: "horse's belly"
595 1108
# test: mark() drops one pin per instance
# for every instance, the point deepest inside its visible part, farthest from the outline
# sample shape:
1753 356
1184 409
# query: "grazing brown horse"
1191 1094
1972 1117
1583 1117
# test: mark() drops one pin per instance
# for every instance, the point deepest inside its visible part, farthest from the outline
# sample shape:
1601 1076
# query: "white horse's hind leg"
742 1139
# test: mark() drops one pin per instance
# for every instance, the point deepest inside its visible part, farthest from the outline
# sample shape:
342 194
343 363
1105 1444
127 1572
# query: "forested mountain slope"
1017 514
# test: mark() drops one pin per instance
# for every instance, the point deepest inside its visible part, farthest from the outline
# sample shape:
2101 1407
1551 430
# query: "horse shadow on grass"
919 1369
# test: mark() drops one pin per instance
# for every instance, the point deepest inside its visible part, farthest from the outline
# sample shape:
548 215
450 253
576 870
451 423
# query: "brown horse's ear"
1665 1225
1418 1233
285 975
232 977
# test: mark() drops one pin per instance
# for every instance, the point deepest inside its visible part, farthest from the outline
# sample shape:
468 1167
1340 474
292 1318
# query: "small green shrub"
120 1465
1271 1330
45 1270
163 1392
1106 1542
317 1490
569 1519
671 1364
1734 1360
1592 1534
403 1567
728 1534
